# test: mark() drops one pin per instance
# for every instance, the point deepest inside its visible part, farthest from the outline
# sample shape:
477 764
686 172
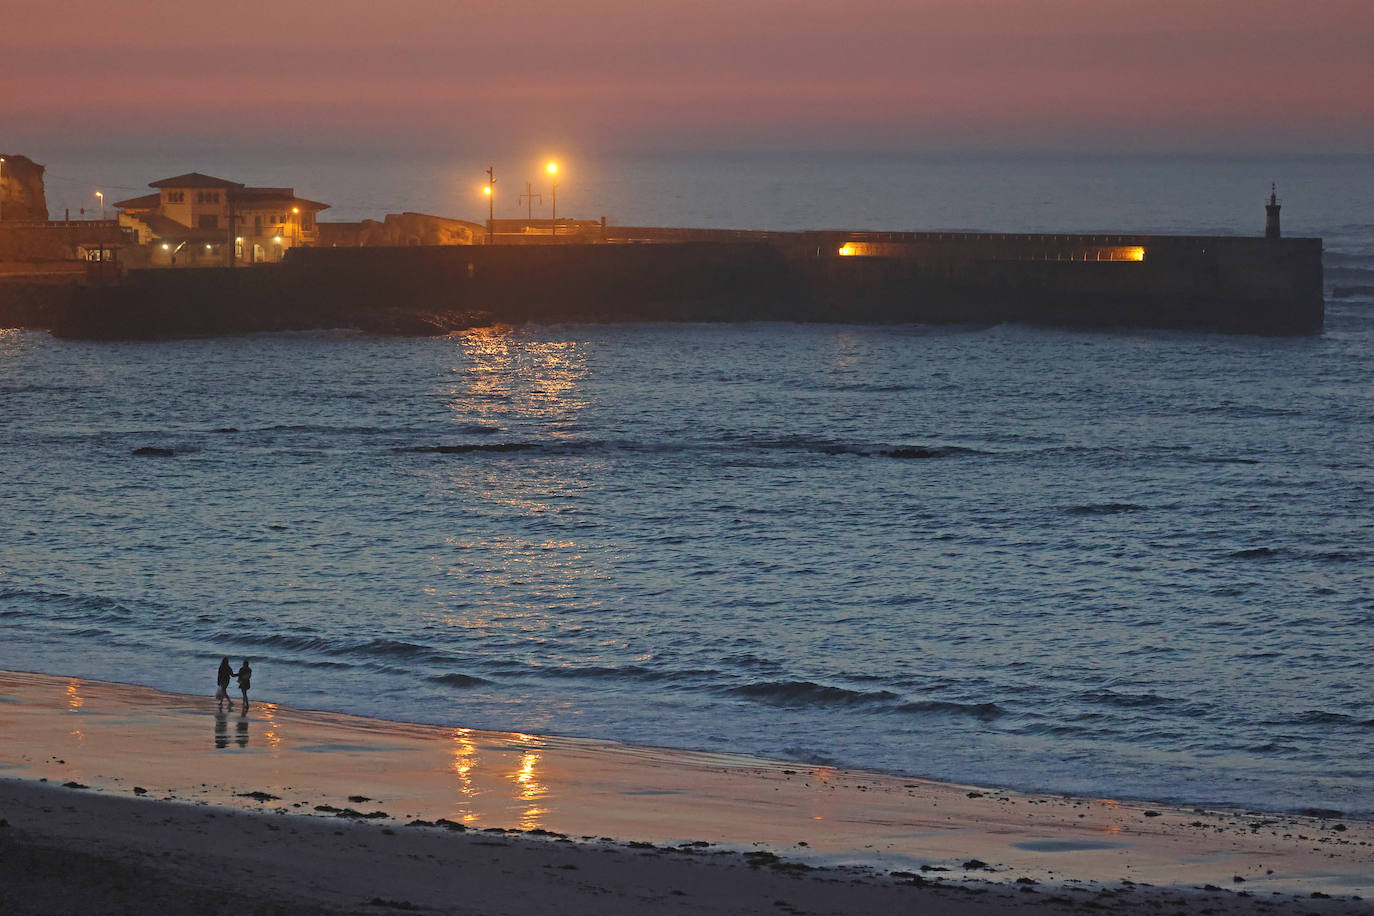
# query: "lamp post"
2 180
101 195
528 197
490 191
553 176
296 234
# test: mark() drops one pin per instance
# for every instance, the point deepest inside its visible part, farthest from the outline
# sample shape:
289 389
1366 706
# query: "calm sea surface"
1135 563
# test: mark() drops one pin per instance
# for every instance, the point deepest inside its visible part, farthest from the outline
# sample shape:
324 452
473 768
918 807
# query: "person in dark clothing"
225 673
245 676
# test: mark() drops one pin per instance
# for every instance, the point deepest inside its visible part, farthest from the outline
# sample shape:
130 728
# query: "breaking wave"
808 693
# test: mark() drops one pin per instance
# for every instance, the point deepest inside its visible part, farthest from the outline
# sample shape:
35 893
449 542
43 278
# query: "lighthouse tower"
1271 214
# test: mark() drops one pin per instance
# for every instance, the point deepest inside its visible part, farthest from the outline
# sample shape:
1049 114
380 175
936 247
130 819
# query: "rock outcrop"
400 230
21 189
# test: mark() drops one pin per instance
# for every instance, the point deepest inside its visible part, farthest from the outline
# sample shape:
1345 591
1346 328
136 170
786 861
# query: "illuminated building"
192 211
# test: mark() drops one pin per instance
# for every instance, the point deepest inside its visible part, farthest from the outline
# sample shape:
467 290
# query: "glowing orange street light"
101 195
553 173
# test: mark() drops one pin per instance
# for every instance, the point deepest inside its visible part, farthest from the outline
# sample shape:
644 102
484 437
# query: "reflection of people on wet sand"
221 729
242 728
225 673
245 676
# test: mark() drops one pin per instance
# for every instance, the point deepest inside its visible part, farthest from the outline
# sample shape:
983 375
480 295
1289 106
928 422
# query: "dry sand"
155 801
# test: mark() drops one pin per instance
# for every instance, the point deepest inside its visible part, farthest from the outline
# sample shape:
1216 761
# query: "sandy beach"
118 798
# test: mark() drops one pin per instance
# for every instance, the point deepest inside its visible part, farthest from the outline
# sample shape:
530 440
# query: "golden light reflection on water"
464 761
529 787
271 728
510 390
74 699
74 704
531 379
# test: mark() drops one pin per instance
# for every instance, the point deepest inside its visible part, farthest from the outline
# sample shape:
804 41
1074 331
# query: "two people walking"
226 671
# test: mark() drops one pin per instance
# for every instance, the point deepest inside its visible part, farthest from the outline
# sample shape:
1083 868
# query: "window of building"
176 197
308 221
257 223
207 221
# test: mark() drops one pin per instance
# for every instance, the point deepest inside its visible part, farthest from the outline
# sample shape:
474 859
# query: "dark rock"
152 451
21 190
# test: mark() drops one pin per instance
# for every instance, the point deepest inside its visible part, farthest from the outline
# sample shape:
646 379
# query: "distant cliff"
21 189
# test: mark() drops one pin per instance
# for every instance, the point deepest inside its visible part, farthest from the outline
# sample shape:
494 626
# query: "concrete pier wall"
1271 286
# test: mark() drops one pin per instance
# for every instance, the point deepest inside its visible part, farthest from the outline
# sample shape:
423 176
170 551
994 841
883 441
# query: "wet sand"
316 809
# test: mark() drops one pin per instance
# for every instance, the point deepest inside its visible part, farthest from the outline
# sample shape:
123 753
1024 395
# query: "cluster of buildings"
199 220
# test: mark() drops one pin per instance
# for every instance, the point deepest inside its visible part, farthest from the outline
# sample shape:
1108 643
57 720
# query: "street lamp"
490 191
2 178
553 176
101 195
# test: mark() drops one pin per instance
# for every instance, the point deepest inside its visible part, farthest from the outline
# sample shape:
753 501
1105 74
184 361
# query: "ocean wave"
749 660
467 448
1105 509
1223 459
808 693
1341 556
1320 717
86 608
1347 258
624 672
808 756
984 712
834 447
385 648
1254 553
458 680
1354 291
1349 276
1129 700
278 641
872 387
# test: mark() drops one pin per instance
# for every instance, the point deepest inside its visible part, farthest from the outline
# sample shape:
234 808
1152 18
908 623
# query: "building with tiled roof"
197 220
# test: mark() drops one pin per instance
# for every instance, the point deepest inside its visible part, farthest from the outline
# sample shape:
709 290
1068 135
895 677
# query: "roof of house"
194 180
276 195
146 202
168 229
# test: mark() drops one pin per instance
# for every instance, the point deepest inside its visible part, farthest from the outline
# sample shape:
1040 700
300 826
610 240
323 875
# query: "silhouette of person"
221 730
245 676
225 673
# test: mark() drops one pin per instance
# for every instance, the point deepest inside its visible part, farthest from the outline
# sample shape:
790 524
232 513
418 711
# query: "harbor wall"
1271 286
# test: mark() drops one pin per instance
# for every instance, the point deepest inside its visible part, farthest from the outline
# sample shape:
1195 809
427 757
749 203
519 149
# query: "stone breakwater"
1245 285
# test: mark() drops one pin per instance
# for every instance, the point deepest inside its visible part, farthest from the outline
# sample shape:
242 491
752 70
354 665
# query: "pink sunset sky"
1263 75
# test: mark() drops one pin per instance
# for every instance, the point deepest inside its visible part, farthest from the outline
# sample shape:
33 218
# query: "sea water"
1127 563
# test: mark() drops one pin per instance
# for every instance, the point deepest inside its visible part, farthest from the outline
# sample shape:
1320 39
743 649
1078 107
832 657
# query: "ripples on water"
1131 564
